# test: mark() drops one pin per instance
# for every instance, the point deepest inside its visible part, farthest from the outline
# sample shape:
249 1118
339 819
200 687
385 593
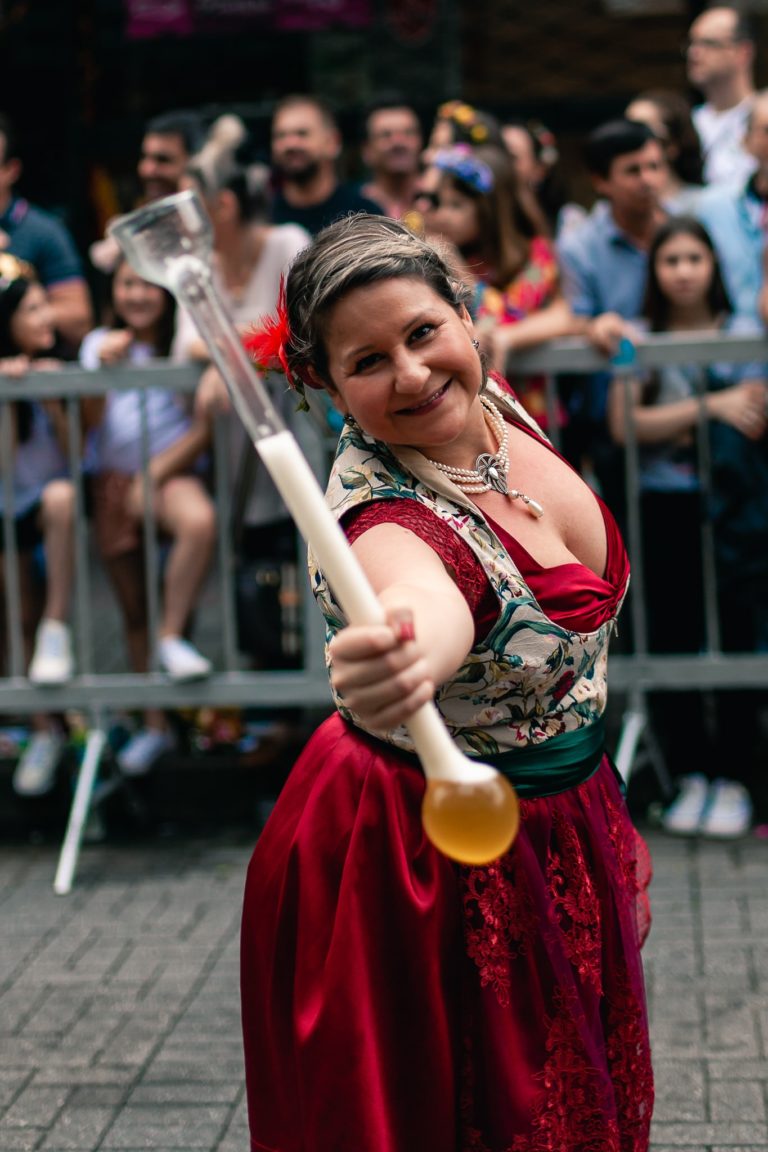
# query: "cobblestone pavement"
119 1025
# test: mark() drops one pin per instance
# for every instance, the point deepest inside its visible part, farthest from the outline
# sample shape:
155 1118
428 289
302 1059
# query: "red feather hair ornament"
267 344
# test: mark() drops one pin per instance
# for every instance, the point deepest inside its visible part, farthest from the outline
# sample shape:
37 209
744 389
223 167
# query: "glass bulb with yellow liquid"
473 820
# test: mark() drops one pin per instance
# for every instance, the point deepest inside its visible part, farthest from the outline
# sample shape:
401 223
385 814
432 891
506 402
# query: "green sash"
559 763
534 770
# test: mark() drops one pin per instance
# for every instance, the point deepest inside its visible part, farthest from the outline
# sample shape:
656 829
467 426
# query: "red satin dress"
394 1001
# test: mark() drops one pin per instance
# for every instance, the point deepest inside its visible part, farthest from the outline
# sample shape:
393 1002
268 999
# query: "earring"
476 345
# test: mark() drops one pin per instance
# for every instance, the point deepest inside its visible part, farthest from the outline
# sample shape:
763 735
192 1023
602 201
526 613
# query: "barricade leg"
78 814
636 739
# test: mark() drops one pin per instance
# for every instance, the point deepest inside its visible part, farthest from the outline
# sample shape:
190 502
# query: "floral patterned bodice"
528 679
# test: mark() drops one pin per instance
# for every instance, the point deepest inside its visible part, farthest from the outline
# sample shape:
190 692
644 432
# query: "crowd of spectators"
673 240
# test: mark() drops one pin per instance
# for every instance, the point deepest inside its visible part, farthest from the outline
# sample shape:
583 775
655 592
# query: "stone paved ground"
119 1026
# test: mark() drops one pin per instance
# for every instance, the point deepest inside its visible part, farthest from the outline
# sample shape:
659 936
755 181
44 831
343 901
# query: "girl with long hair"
685 294
503 244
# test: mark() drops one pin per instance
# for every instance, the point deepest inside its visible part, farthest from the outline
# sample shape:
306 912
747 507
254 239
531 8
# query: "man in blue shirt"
604 263
38 237
604 260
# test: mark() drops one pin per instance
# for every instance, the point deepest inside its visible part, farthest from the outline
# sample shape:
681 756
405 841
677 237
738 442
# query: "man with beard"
169 141
306 144
392 152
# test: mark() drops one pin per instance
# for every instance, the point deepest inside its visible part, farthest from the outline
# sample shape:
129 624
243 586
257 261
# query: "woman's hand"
380 672
743 406
15 366
114 346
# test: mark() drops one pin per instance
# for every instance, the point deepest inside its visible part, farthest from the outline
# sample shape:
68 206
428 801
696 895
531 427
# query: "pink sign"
314 15
147 18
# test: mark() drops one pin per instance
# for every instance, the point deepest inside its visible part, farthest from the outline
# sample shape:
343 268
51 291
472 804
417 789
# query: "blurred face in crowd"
303 142
530 171
455 216
635 180
712 54
684 268
393 144
162 163
31 327
137 302
756 137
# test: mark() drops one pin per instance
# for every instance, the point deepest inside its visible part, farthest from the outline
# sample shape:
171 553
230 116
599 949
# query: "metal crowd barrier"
634 674
637 673
92 693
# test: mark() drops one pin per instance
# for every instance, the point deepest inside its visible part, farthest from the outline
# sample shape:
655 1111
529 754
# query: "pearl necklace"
491 468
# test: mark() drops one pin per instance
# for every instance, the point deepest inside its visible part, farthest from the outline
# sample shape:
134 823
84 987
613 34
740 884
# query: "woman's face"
684 268
139 304
530 172
32 329
403 365
456 215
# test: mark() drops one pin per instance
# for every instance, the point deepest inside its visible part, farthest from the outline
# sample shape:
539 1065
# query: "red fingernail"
406 631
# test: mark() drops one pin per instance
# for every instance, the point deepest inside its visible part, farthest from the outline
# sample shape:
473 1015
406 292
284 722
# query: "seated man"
42 240
306 144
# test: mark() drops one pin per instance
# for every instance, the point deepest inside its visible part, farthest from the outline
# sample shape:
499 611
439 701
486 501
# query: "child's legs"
126 573
186 513
57 522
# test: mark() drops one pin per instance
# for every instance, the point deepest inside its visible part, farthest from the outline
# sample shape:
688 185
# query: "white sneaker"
36 770
728 812
685 812
52 661
181 660
143 750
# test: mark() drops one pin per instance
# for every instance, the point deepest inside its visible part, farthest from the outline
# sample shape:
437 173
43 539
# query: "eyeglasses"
707 43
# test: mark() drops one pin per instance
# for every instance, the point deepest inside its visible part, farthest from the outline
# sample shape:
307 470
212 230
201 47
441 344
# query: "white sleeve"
90 349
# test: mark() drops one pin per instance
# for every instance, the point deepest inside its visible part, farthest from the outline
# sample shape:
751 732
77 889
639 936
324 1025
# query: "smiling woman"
394 1001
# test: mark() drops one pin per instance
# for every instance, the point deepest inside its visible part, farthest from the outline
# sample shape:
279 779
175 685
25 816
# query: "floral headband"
466 117
268 346
13 269
460 161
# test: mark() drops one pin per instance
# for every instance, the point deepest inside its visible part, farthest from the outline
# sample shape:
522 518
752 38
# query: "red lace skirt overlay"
395 1002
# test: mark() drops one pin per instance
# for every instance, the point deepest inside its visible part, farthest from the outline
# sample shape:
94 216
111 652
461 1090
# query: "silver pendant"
487 466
